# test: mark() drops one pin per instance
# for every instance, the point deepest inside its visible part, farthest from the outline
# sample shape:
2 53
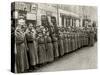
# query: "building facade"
65 15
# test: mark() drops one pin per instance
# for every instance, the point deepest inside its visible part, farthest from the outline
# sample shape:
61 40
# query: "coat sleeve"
26 43
18 38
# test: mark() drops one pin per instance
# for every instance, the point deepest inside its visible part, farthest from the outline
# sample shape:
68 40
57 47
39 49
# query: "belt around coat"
30 42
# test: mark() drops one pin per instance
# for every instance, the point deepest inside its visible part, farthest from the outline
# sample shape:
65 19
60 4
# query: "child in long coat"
60 44
49 48
55 45
21 51
32 45
41 48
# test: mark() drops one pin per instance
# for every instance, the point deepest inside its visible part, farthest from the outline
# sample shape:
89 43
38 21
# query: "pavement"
84 58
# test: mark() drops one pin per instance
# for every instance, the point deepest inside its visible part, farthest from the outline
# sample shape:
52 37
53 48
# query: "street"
84 58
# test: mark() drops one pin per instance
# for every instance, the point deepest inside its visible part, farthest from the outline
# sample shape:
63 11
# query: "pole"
57 16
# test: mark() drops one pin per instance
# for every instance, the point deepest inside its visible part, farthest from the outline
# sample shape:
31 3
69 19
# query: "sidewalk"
85 58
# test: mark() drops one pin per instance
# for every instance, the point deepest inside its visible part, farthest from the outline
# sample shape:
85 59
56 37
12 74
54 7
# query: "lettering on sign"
31 16
22 6
33 8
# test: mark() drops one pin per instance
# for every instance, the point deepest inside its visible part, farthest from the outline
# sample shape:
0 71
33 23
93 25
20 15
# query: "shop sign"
34 8
48 13
22 6
31 16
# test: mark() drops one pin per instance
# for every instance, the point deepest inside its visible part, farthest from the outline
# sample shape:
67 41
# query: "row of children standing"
38 46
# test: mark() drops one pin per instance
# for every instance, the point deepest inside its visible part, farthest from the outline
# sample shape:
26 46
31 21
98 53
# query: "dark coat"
55 46
65 43
60 45
21 56
41 50
49 49
32 48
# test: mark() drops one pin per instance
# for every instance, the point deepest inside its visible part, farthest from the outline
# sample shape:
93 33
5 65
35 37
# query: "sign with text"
22 6
34 8
31 16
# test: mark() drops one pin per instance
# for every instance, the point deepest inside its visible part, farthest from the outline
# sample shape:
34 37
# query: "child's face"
53 34
23 27
30 26
40 34
47 33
